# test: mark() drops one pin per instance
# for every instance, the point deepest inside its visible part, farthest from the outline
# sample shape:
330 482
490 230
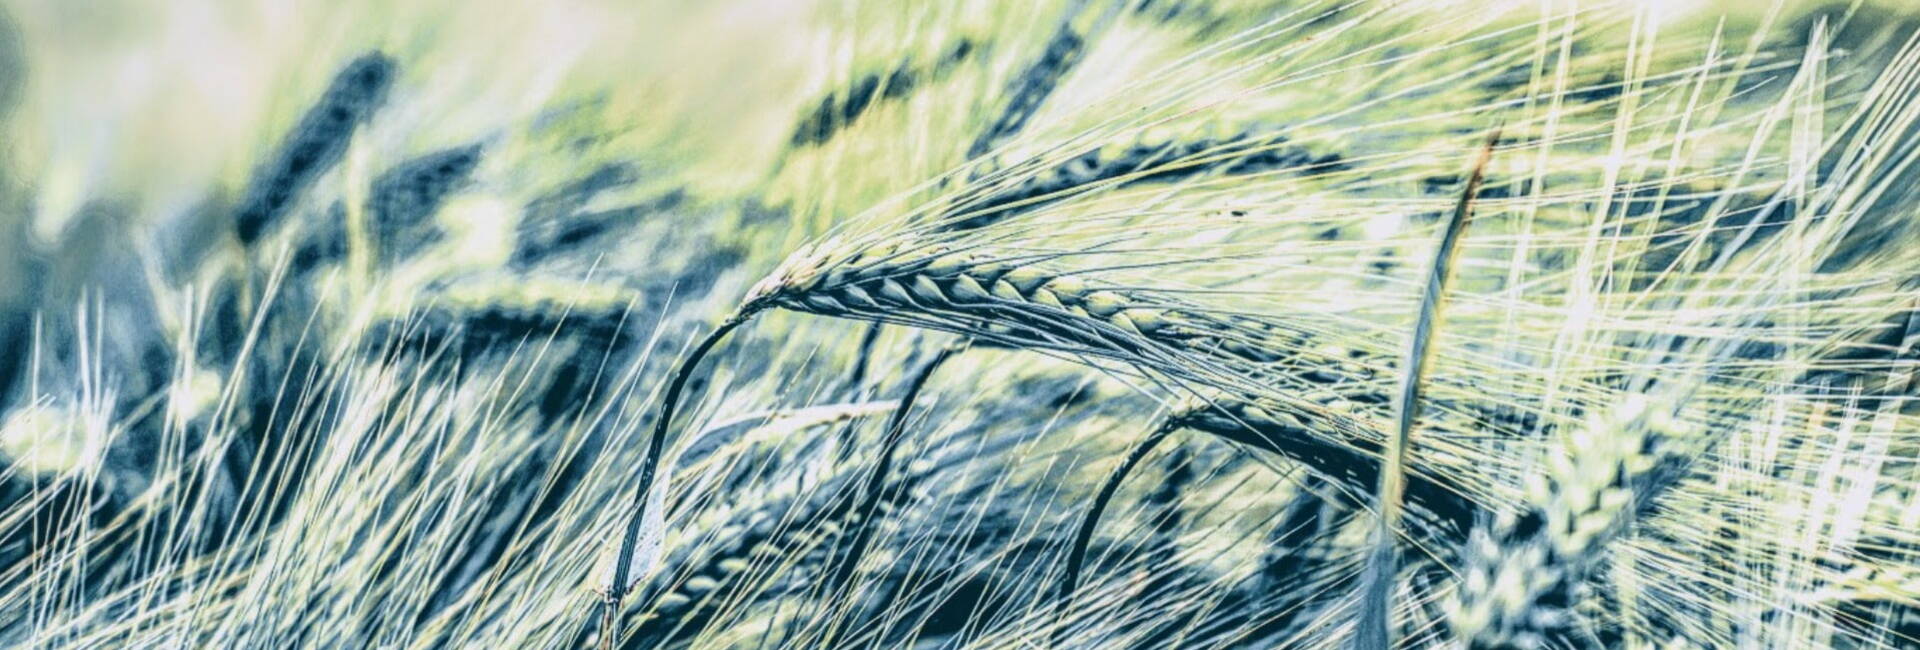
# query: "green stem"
617 591
864 524
1077 556
1374 631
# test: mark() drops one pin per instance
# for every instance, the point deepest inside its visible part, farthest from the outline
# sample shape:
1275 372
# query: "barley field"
984 324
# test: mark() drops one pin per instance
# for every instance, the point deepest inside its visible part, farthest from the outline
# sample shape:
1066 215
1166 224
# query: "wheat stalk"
1083 535
871 493
1375 627
636 553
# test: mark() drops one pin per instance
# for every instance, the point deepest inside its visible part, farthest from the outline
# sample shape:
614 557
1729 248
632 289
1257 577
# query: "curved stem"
1077 556
856 388
863 526
656 445
858 378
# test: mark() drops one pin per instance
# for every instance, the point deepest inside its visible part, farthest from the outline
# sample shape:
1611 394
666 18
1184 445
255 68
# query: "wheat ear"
1521 575
1020 303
